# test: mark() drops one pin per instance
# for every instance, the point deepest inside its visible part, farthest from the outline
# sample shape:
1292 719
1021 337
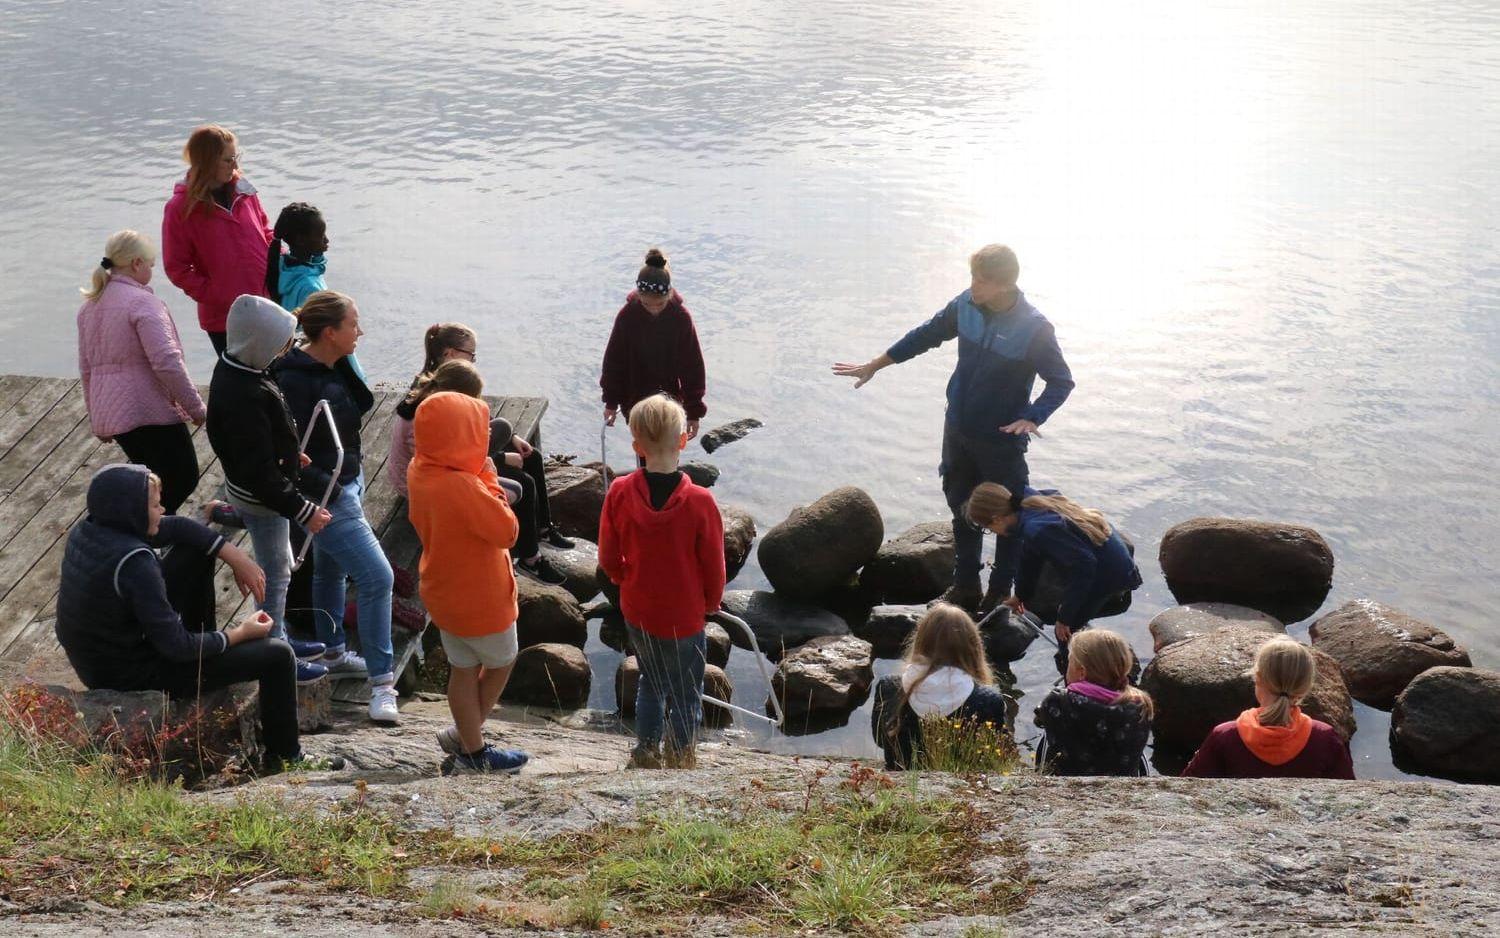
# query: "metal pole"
326 410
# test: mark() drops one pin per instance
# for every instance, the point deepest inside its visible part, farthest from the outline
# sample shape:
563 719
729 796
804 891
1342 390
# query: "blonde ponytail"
1284 667
991 501
121 250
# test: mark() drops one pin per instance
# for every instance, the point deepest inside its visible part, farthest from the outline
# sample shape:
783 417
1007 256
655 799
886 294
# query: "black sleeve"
140 584
262 472
178 531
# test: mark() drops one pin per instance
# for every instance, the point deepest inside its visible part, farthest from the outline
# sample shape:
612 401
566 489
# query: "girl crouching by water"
1275 739
944 675
1098 724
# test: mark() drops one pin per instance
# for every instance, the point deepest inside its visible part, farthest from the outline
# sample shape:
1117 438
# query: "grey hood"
257 331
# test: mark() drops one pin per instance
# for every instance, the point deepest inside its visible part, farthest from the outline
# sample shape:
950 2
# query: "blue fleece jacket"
1090 572
1000 356
300 279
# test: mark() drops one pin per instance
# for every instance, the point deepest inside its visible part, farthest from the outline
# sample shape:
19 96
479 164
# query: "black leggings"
269 662
533 512
168 452
220 342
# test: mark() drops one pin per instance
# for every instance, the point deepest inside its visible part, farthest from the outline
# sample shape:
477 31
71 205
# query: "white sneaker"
383 704
344 665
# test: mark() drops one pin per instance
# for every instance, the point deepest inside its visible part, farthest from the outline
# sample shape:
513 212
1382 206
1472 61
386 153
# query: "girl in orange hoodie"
466 528
1276 739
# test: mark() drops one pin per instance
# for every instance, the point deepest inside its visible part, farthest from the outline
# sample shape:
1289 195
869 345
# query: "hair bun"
655 258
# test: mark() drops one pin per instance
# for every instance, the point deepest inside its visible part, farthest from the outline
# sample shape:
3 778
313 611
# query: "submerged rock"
548 614
912 567
1447 723
1203 681
550 675
1180 623
779 623
728 433
821 546
1381 649
702 473
1285 570
829 673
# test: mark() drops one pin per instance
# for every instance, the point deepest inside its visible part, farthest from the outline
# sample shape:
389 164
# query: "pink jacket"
216 254
130 359
403 448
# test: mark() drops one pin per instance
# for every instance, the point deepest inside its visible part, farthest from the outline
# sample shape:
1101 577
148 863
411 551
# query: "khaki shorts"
495 650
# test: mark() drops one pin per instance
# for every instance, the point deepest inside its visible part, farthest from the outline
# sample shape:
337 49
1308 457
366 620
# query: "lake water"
1267 234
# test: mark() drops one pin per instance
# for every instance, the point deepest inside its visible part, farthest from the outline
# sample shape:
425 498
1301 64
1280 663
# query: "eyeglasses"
467 353
233 159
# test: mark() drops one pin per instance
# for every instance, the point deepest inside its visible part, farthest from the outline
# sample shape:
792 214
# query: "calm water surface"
1266 233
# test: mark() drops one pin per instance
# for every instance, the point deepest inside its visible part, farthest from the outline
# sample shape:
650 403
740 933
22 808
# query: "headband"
646 286
106 263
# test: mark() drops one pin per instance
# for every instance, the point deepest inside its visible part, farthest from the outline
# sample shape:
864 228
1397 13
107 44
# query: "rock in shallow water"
829 673
548 614
1447 723
1381 649
912 567
779 623
1180 623
1285 570
715 684
580 564
820 547
728 433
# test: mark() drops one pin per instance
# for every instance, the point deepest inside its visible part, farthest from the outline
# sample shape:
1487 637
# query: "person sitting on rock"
1098 724
1275 739
1052 529
661 538
1004 344
944 675
467 529
515 458
131 620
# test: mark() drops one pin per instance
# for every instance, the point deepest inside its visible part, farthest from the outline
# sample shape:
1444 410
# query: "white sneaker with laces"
346 664
383 704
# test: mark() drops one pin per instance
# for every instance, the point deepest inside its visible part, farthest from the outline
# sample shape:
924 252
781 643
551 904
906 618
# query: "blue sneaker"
488 759
306 651
310 673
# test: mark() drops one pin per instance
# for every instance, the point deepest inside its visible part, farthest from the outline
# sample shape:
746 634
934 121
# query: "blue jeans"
347 548
968 461
671 672
270 541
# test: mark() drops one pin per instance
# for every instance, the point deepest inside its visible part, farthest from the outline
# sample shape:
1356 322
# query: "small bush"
966 746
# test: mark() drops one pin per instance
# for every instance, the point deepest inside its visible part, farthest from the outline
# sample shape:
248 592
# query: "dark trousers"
220 341
533 513
968 461
269 662
168 452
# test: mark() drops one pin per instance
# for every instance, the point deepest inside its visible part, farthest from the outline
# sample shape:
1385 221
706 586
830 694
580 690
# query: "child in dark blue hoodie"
131 620
1094 561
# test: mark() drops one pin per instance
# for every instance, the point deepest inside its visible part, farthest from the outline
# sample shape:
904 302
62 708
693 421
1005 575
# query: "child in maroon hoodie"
1275 740
661 538
653 347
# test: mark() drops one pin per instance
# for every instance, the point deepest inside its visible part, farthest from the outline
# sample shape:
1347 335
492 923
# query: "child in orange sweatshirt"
662 539
466 527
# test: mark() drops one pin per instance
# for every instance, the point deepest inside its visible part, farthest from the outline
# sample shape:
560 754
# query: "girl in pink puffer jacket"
135 385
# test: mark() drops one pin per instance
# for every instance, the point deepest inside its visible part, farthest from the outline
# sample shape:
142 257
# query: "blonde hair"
322 310
1105 659
202 152
995 262
1286 668
946 637
122 249
991 502
453 375
657 423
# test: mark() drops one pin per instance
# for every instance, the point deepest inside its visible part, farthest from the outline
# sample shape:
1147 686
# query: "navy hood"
118 498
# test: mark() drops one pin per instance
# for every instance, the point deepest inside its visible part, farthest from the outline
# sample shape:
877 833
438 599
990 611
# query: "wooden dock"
47 456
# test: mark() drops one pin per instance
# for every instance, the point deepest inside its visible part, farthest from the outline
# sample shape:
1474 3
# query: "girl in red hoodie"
653 347
1276 739
661 538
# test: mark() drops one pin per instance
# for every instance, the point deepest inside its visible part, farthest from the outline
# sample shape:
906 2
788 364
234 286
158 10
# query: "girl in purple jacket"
135 385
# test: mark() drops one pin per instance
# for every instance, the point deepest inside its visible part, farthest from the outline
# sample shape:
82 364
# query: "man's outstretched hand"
862 373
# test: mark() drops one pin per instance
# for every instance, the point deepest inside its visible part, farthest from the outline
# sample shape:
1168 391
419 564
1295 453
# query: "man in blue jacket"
1004 345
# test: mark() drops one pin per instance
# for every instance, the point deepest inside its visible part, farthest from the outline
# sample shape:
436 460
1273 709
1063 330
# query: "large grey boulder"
779 623
575 495
550 674
1180 623
832 673
1380 649
548 614
912 567
1447 723
821 546
1285 570
580 564
1203 681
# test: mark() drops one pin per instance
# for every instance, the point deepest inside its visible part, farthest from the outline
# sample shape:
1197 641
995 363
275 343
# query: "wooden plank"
43 483
41 438
13 388
29 408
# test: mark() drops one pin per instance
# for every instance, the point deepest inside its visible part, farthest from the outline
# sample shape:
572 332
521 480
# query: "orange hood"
1274 745
452 432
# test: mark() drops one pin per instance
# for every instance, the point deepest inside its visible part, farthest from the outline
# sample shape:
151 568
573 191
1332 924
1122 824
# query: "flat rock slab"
1180 623
1380 649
